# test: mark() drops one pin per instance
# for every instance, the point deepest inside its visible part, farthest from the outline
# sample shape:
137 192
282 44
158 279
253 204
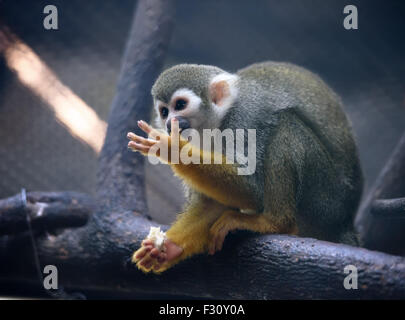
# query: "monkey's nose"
183 124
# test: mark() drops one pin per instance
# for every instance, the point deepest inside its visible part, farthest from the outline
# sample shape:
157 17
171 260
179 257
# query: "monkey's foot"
149 258
219 230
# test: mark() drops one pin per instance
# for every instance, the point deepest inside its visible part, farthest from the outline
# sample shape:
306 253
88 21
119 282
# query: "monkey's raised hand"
158 143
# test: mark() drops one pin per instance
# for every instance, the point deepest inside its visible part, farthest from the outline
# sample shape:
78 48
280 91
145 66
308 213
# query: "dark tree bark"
121 173
96 257
388 208
46 210
381 217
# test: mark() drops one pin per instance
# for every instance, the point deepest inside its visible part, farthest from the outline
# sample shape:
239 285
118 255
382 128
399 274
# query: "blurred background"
52 120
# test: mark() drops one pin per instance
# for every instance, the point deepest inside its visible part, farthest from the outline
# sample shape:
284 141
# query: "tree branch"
377 231
47 211
121 173
248 267
388 208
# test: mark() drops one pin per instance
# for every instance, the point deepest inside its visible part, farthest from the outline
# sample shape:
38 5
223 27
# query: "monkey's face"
197 96
185 106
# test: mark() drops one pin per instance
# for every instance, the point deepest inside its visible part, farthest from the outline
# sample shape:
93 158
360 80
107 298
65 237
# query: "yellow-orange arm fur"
218 181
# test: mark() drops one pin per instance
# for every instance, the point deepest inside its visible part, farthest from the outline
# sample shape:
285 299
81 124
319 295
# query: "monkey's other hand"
157 141
142 144
149 258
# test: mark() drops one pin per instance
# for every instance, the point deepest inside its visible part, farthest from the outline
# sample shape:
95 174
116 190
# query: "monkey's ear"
223 89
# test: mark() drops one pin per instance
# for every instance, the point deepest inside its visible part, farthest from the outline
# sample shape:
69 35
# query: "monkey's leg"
262 223
188 236
279 215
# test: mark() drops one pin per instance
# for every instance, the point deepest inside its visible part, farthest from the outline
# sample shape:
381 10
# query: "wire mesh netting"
365 67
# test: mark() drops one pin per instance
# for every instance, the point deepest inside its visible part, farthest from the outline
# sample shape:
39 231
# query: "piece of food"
157 236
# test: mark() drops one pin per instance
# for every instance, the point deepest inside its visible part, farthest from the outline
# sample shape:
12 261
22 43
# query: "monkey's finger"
134 146
142 268
147 142
147 242
140 253
211 248
145 261
219 241
152 133
175 130
148 264
144 126
154 253
138 147
211 245
156 267
216 239
137 256
162 257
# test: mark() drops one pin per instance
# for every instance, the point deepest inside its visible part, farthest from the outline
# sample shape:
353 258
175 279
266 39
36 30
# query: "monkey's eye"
164 112
180 104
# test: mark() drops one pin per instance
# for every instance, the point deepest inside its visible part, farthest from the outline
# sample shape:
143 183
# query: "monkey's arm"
218 181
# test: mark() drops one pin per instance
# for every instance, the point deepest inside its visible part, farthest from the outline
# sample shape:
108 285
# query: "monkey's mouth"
180 131
183 124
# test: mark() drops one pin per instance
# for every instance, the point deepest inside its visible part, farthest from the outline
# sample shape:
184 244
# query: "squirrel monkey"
307 181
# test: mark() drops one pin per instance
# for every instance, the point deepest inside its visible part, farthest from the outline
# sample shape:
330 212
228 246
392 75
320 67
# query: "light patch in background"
70 110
